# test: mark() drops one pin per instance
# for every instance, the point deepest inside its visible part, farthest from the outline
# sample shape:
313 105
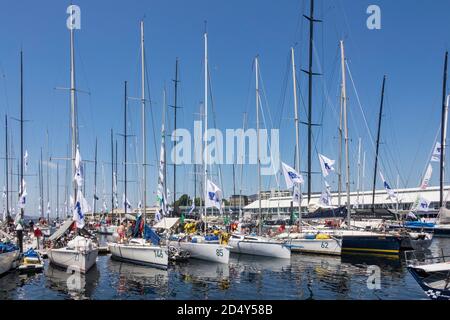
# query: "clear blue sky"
409 49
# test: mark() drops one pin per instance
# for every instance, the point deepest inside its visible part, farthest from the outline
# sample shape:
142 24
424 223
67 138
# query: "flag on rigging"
214 196
80 209
296 195
436 157
126 203
427 177
25 160
78 169
23 195
326 165
192 207
291 176
325 198
388 189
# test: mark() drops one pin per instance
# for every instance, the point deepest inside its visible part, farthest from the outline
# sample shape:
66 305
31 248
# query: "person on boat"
37 235
121 232
281 229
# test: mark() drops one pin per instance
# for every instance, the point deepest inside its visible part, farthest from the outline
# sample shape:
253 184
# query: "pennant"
326 165
126 203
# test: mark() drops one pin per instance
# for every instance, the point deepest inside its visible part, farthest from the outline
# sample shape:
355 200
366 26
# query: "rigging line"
360 106
215 123
150 104
271 122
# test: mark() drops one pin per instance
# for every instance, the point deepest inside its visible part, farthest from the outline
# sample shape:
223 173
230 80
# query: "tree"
183 201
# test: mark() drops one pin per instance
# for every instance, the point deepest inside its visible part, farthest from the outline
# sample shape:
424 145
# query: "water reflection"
77 286
132 279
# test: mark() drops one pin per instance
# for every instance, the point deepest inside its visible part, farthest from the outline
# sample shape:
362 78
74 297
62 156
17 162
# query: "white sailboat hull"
140 254
77 260
213 252
7 260
260 247
318 246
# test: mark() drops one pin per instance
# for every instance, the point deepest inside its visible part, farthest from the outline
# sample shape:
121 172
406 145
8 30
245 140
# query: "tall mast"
41 186
258 146
22 209
163 137
244 122
112 174
443 133
144 129
95 181
347 159
47 180
125 145
205 165
175 107
363 178
358 183
297 131
378 143
6 168
57 192
310 84
73 111
340 151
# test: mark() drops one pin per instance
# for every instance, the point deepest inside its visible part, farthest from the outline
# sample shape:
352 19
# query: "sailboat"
198 246
441 227
79 254
259 245
9 252
140 250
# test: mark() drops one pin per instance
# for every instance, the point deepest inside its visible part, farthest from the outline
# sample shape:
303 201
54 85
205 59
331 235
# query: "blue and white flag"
23 195
388 189
126 203
427 177
291 176
214 196
422 204
25 160
296 195
326 165
78 169
325 198
192 207
436 157
79 210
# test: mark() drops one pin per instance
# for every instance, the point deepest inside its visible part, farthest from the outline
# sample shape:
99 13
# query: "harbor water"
246 277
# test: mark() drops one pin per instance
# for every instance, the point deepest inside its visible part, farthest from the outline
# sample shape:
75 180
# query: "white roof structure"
405 196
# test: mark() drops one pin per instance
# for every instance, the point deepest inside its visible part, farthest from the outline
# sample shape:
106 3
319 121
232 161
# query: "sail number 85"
219 252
